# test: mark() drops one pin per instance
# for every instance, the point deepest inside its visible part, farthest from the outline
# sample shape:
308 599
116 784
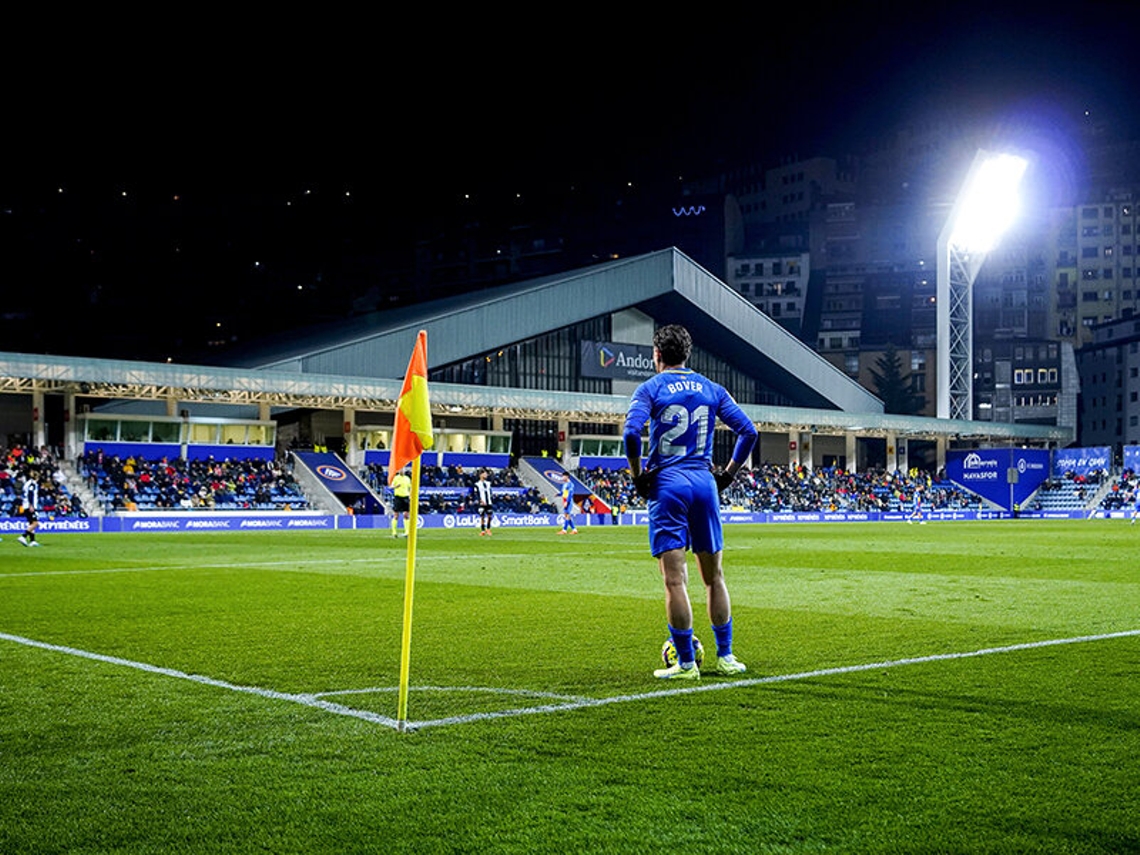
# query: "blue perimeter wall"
187 521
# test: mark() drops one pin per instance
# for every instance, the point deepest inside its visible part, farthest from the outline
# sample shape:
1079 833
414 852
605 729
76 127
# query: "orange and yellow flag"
413 431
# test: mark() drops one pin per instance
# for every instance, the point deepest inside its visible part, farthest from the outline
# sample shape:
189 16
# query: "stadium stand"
57 499
451 490
1064 494
779 488
1119 493
138 484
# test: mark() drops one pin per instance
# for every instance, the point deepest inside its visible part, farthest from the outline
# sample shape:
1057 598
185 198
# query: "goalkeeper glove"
723 479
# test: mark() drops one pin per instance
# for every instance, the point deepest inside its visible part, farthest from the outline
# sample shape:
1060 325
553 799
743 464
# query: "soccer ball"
669 652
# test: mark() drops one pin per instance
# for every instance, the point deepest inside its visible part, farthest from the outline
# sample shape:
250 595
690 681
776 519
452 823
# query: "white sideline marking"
570 703
306 700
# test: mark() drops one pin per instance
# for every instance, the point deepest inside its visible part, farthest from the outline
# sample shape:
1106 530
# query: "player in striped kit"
29 510
486 503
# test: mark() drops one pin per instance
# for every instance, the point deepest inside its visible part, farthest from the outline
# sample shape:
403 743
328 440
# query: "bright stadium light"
985 209
988 203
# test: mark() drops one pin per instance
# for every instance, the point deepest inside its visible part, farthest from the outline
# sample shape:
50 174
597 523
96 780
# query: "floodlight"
985 209
988 203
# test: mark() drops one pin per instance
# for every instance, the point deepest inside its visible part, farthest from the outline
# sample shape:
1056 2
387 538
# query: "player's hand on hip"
644 482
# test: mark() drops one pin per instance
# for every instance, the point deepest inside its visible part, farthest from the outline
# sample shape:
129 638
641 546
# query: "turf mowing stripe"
391 690
315 701
397 559
158 567
760 681
306 700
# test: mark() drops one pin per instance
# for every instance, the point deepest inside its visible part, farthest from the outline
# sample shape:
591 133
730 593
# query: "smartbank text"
517 521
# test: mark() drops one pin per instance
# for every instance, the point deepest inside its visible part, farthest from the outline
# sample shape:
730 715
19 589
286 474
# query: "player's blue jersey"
682 407
567 495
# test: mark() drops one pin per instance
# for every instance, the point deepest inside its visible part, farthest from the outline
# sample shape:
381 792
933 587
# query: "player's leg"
712 574
669 541
675 574
720 614
707 536
679 612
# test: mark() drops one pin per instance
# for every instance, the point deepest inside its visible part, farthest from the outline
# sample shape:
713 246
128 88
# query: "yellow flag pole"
409 587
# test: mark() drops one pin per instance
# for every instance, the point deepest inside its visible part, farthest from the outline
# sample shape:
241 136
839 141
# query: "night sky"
248 174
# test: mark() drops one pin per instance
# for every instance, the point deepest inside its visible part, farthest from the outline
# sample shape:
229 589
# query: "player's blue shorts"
685 511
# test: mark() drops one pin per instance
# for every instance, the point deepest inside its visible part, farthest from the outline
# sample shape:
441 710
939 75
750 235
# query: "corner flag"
410 436
412 433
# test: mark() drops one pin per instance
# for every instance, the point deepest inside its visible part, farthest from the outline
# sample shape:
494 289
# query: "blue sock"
683 641
723 635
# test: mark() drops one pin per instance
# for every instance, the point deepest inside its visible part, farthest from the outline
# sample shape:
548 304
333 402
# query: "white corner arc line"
305 700
313 700
760 681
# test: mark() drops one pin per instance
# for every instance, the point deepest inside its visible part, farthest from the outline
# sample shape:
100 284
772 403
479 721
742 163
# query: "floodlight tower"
986 206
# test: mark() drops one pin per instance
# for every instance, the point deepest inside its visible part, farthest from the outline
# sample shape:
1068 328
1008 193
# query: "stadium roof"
666 285
118 380
373 353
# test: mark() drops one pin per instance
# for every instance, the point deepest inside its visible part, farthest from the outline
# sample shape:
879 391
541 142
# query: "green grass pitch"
954 687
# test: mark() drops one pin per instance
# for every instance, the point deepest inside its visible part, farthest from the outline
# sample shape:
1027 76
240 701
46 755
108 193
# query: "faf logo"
332 473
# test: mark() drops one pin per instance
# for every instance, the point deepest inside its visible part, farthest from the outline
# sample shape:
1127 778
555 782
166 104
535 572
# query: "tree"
895 388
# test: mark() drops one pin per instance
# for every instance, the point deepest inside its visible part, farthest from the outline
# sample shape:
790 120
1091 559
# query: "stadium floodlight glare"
985 209
988 204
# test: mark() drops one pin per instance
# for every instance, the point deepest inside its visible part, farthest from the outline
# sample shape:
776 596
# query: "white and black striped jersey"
483 491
